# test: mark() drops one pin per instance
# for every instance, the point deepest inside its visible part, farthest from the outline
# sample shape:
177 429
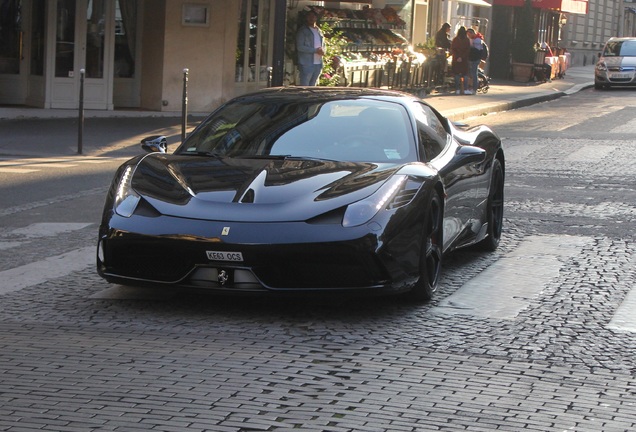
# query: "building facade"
135 53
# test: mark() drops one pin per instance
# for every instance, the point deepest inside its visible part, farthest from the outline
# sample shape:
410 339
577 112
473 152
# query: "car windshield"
624 48
356 130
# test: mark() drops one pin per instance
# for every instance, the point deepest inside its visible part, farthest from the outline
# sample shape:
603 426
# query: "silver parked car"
616 65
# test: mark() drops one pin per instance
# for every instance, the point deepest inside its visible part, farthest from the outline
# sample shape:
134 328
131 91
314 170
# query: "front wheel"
494 208
431 253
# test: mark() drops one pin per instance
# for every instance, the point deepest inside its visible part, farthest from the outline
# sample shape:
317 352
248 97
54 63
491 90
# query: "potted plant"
523 51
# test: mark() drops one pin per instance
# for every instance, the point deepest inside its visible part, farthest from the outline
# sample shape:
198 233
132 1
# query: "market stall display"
368 39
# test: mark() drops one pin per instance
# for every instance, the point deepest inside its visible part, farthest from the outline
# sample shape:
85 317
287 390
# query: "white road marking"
628 127
624 318
8 245
53 267
507 287
57 165
121 292
17 170
48 229
590 153
25 166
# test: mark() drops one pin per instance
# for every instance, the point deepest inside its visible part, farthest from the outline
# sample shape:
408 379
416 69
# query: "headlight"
126 199
362 211
601 66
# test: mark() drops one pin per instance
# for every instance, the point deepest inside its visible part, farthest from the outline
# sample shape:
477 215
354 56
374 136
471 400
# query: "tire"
431 254
598 86
494 208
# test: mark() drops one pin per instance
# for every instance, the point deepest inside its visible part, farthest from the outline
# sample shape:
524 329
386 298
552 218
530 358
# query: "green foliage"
523 44
427 47
334 46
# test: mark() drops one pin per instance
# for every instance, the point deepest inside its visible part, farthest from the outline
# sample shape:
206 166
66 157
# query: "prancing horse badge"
226 231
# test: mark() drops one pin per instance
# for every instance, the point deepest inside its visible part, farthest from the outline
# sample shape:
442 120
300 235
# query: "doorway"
44 44
83 35
100 38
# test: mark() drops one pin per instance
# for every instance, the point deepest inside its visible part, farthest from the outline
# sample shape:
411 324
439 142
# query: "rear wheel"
431 254
494 208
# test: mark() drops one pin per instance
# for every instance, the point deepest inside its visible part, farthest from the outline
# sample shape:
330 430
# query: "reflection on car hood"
620 61
253 189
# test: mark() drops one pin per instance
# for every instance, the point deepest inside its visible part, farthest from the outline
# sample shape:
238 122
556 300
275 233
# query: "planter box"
522 72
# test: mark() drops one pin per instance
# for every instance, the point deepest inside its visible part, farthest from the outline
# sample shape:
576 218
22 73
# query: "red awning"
569 6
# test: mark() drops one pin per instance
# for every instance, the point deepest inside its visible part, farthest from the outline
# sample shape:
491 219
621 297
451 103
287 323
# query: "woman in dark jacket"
460 49
441 37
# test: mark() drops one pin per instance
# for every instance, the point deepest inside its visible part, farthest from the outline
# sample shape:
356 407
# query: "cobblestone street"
78 354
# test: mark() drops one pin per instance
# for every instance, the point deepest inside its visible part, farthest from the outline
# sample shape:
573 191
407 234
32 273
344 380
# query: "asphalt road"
536 336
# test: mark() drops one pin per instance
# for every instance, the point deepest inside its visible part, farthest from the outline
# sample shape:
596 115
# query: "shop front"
134 53
49 43
549 18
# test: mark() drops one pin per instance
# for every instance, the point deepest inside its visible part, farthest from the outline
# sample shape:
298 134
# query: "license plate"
224 256
620 75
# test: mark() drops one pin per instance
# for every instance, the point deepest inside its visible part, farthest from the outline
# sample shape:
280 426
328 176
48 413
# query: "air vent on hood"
406 194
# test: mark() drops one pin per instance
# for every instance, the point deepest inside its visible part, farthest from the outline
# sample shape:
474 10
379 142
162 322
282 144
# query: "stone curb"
507 105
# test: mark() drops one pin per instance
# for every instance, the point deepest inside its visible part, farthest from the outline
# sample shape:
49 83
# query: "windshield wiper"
284 157
215 155
273 157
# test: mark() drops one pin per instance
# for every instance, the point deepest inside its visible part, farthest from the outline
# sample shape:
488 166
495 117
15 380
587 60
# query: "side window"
432 134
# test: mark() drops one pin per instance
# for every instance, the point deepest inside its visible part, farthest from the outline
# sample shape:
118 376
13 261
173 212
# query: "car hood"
620 61
252 190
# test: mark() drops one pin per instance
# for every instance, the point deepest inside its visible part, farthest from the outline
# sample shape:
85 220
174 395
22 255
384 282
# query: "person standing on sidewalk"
474 57
460 49
310 50
442 46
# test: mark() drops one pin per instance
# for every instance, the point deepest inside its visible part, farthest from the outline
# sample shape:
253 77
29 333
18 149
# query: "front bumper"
616 76
282 257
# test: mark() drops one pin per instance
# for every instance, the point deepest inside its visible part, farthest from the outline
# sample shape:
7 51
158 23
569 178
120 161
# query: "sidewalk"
51 132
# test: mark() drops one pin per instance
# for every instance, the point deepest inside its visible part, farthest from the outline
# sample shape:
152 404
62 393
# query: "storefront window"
253 45
10 36
125 38
37 37
240 44
65 38
95 23
264 41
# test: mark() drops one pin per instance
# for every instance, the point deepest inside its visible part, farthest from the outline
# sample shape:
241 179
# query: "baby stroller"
484 81
448 82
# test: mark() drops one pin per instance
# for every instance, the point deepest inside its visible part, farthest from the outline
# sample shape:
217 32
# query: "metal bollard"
80 123
184 105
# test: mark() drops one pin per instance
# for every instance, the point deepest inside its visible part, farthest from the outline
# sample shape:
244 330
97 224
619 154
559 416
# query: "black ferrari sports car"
305 190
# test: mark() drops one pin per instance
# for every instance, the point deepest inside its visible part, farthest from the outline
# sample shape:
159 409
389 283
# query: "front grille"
301 266
150 262
327 269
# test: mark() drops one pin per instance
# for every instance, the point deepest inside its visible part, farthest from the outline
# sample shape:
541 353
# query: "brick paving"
72 359
194 362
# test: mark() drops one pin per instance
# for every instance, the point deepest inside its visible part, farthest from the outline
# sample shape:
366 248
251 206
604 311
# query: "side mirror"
465 155
155 143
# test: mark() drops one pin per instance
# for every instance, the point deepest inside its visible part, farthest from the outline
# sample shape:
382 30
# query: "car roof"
617 39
